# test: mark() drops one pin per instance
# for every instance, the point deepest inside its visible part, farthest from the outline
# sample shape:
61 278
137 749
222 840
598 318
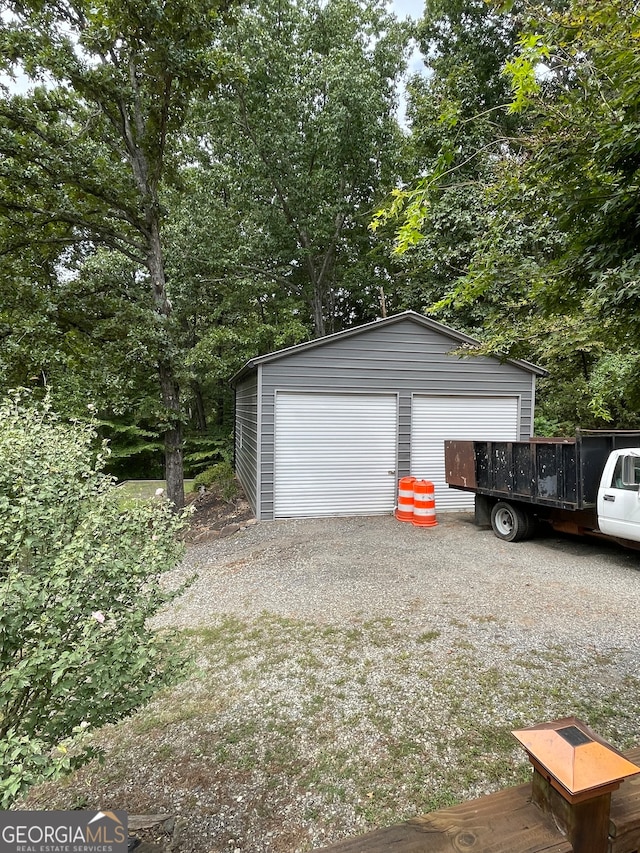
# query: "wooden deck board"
624 823
505 822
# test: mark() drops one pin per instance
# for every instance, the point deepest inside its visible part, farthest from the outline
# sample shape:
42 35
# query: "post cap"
575 760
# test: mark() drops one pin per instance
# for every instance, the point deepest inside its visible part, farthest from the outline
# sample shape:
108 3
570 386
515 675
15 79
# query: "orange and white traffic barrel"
424 504
404 512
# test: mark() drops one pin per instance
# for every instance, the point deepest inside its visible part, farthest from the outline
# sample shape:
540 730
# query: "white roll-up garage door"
335 454
435 419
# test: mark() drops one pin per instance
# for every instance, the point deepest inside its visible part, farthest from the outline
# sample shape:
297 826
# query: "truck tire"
511 523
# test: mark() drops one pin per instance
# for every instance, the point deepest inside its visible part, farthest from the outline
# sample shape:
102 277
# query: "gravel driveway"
576 591
355 672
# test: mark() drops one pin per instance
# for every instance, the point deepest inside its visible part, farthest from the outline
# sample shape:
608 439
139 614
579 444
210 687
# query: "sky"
408 9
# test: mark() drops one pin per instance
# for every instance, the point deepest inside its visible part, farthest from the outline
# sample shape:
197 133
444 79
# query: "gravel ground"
578 592
354 672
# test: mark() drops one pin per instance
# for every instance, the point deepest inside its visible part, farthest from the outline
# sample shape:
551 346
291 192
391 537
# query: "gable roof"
420 319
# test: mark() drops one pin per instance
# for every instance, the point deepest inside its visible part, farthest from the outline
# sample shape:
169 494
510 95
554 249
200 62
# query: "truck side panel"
555 475
553 472
529 471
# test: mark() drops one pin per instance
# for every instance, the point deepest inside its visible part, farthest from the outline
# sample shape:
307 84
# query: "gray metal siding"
405 358
404 435
246 437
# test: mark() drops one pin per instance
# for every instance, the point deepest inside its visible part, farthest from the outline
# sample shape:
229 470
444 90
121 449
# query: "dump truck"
587 484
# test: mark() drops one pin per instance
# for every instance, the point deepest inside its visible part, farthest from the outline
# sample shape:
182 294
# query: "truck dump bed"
558 472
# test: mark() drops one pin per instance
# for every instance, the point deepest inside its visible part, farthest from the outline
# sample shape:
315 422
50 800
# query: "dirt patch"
214 517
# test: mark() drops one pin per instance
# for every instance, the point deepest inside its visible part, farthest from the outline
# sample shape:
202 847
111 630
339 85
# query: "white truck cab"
619 495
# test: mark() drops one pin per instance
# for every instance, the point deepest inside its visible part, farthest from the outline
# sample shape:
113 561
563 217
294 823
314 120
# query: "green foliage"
202 451
615 390
582 163
87 154
521 71
87 336
460 127
220 479
79 580
545 426
307 137
575 190
189 188
522 225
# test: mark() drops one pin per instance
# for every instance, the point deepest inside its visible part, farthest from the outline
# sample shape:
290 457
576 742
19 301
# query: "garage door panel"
335 454
436 419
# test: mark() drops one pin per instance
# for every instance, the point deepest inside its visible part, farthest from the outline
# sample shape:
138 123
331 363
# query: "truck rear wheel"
510 522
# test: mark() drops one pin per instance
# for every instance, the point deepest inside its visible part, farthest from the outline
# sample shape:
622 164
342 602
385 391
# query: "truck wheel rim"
504 521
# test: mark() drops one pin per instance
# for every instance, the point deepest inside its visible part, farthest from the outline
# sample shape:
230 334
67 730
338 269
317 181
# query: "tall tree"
85 154
567 238
552 273
224 313
583 160
459 130
312 133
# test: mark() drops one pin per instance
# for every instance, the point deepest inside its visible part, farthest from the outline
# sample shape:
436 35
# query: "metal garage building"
328 427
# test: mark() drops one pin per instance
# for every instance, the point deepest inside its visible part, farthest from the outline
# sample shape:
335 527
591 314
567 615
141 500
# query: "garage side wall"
246 438
404 359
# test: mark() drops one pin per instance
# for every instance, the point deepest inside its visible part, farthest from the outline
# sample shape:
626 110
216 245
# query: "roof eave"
386 321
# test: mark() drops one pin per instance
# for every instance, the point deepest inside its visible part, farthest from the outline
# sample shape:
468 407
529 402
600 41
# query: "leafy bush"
544 426
615 389
205 451
219 478
79 581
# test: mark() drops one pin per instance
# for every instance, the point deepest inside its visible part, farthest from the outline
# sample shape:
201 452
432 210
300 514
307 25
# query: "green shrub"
204 451
79 581
220 479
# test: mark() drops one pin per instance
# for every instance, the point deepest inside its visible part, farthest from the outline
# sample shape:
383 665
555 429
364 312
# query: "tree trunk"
173 437
318 312
169 388
201 417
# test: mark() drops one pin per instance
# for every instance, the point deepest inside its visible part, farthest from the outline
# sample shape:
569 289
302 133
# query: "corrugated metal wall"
464 417
335 454
246 437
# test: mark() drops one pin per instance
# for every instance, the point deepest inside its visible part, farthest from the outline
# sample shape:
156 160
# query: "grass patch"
428 636
145 489
346 728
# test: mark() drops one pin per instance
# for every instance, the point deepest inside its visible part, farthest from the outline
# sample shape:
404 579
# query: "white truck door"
619 495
